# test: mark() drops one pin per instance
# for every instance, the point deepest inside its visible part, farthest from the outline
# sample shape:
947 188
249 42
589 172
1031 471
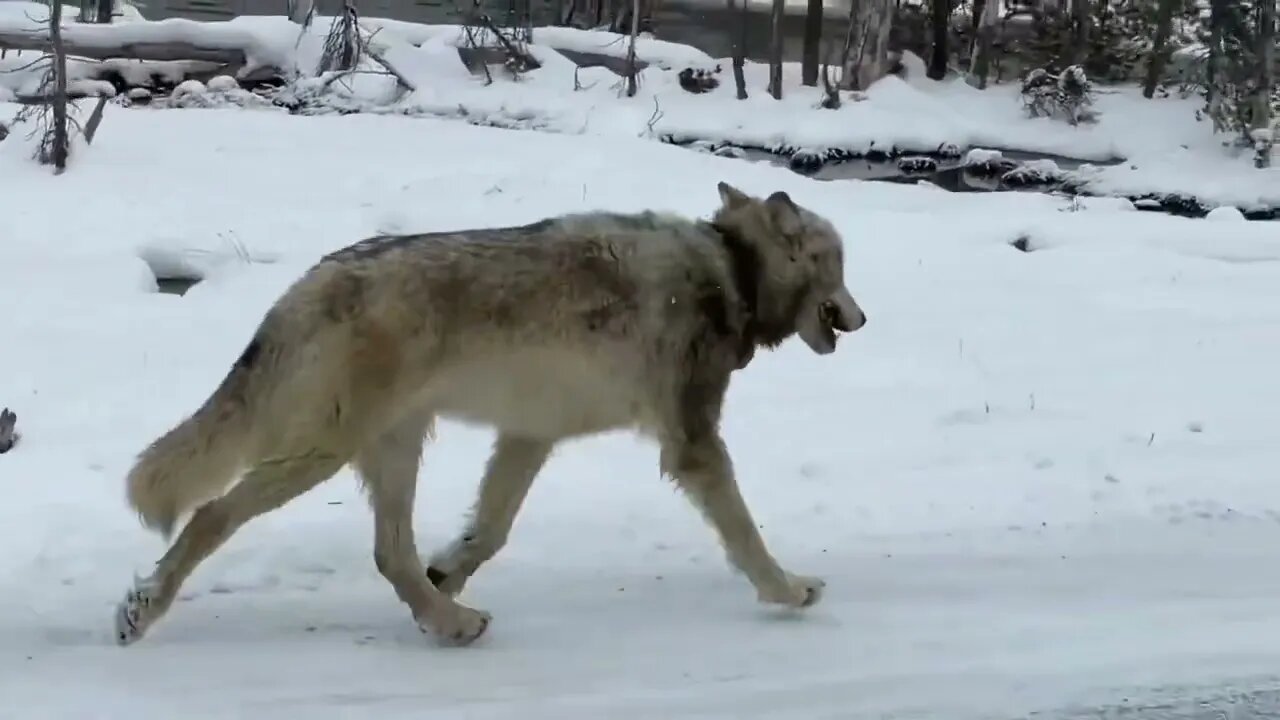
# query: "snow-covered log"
103 42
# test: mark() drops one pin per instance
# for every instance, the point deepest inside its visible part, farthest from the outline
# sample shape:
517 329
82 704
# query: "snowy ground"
1035 482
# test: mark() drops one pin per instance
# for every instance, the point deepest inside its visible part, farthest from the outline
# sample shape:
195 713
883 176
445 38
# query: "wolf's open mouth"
829 322
832 319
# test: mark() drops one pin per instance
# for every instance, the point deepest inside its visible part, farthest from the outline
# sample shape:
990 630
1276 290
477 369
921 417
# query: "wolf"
569 326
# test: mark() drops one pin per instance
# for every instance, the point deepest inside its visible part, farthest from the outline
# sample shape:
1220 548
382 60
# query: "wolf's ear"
786 215
730 196
783 201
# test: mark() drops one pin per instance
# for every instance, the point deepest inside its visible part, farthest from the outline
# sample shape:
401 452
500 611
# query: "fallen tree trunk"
103 46
72 96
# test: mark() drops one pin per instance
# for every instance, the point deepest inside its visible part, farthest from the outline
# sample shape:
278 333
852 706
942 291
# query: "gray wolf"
569 326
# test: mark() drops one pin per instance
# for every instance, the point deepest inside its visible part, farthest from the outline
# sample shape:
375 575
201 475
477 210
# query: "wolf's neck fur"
744 266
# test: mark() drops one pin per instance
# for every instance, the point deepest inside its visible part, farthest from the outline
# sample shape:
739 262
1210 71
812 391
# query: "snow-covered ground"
1035 482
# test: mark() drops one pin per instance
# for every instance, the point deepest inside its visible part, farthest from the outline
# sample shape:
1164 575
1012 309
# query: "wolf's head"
799 269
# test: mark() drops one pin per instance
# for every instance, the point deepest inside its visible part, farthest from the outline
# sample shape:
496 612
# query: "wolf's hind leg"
514 464
268 486
388 465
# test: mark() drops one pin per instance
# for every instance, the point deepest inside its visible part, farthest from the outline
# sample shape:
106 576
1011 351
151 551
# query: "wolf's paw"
462 626
135 614
800 592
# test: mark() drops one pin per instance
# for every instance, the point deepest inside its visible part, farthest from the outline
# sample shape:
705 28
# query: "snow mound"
1225 213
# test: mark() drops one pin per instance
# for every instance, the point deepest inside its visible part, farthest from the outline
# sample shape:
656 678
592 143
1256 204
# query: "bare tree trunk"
940 18
301 11
1159 47
61 141
631 49
812 53
775 50
1263 141
854 40
1082 17
105 11
980 64
739 47
975 18
875 53
1217 66
866 43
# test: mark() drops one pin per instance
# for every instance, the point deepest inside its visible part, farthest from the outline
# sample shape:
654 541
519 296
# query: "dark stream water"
1015 171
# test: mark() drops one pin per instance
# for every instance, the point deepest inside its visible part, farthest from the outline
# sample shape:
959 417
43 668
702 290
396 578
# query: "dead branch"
656 116
375 54
472 43
342 44
29 66
95 119
521 59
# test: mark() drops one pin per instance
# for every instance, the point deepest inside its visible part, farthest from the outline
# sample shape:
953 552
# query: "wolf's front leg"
703 469
514 464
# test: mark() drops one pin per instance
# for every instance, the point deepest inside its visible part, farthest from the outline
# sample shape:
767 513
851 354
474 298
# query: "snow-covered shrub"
222 83
138 96
187 91
698 80
807 161
1034 172
1038 90
1232 75
949 150
1263 145
730 151
1067 96
912 164
980 161
222 91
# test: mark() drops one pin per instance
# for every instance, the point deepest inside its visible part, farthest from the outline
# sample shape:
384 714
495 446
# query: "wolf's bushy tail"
197 460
